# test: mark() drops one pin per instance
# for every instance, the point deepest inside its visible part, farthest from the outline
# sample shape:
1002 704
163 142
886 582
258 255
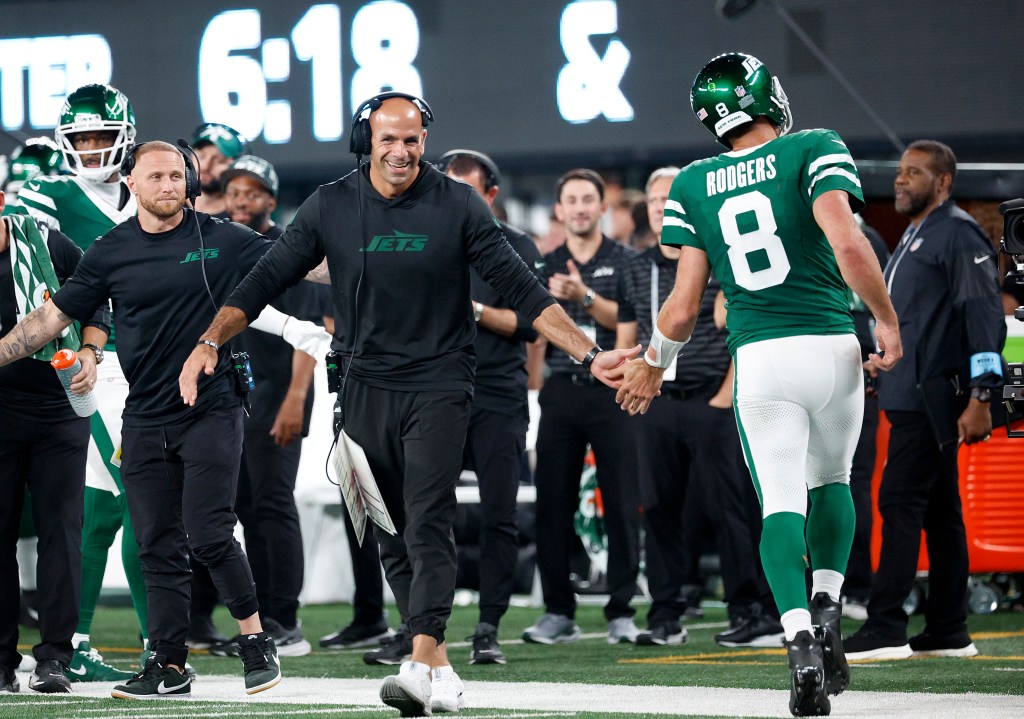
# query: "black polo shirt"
604 274
704 361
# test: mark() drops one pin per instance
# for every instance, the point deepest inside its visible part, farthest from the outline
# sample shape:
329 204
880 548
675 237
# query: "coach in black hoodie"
399 238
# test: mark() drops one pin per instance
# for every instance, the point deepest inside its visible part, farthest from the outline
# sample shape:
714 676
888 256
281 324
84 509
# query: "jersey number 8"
760 239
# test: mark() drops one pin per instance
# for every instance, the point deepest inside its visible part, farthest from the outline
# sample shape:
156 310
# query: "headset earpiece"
359 140
192 187
492 177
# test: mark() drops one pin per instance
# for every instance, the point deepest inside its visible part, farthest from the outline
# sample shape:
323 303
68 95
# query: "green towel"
35 280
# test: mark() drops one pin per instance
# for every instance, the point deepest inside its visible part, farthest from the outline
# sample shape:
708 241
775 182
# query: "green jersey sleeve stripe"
674 206
833 171
36 198
677 222
836 159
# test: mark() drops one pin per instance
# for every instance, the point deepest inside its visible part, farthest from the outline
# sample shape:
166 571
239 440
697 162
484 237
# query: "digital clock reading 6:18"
238 68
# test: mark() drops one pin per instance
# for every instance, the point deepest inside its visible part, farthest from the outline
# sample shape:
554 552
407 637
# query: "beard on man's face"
163 210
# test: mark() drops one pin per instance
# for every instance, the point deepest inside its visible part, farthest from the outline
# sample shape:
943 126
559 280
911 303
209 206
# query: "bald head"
397 140
396 109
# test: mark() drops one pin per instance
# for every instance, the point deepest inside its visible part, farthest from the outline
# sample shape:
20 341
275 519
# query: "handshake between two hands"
637 383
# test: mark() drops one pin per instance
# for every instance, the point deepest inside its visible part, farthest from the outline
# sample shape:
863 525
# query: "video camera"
1013 245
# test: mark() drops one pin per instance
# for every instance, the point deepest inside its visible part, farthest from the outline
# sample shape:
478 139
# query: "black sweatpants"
266 509
181 481
571 416
494 450
50 457
413 442
691 464
857 583
919 490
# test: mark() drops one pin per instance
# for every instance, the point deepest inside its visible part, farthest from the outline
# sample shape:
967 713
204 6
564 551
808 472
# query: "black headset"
192 188
492 177
359 143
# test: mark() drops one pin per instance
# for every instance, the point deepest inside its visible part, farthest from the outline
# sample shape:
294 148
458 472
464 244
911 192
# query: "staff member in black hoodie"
399 239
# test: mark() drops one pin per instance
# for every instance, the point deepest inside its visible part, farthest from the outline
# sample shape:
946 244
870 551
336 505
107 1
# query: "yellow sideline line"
996 635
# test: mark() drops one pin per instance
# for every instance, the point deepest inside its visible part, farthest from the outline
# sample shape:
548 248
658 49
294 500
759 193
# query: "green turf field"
700 663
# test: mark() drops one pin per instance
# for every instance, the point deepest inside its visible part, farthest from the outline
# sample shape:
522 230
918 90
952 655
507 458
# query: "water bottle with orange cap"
67 364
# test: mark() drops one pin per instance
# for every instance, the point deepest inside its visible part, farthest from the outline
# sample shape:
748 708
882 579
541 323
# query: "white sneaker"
409 692
446 690
855 609
28 663
622 630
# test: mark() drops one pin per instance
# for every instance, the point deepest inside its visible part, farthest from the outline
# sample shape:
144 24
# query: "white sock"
826 580
794 621
442 672
77 639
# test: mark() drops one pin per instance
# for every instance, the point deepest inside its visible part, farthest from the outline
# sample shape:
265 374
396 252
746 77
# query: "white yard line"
553 697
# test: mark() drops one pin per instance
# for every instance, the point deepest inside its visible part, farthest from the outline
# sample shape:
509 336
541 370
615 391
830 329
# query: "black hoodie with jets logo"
400 276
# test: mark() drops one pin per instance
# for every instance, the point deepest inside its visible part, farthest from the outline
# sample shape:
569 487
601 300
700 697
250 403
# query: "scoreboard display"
530 79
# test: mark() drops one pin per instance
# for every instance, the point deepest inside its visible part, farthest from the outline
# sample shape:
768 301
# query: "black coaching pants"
494 450
414 442
181 481
270 520
574 414
50 457
919 490
690 460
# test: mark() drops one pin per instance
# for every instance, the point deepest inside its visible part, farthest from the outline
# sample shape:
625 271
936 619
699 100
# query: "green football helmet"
226 139
733 89
96 108
38 156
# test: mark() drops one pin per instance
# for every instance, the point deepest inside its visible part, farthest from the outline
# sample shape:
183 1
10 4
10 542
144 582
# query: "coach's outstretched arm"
559 328
227 323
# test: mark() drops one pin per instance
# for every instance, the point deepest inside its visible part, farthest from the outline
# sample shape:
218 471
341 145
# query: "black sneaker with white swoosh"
155 681
259 662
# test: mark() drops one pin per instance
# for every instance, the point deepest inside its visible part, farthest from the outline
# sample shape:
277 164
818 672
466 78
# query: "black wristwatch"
982 394
98 351
589 358
588 298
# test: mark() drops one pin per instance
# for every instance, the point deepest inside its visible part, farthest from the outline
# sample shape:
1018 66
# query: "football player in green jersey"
773 219
95 129
38 156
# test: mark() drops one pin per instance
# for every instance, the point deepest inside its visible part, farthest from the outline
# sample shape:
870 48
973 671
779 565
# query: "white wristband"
662 351
270 321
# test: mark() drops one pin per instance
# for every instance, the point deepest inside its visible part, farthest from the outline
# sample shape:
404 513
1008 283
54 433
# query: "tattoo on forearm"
29 335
